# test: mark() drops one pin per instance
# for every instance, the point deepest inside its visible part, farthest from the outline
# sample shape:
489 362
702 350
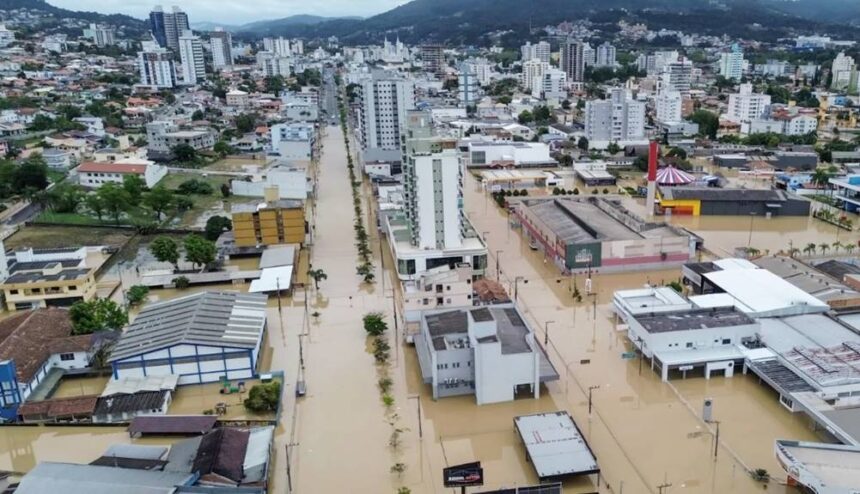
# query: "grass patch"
54 237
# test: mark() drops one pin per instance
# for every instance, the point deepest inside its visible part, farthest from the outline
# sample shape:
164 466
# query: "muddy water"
80 386
643 431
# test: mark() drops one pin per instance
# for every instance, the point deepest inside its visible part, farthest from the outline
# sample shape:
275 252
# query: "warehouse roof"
577 221
50 478
765 293
221 319
717 194
693 320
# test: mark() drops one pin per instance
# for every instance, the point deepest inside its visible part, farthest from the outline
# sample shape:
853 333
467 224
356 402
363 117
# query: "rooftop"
94 167
555 445
172 424
824 468
220 319
511 330
693 320
579 221
716 194
50 477
765 293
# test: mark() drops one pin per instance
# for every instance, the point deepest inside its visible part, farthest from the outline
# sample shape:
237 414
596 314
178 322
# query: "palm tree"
836 246
793 251
821 177
317 275
753 252
824 248
849 248
809 249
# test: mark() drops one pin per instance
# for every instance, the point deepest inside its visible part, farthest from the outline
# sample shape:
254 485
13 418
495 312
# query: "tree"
525 117
198 250
246 122
677 152
195 186
184 153
565 105
216 225
198 115
824 248
134 186
821 178
374 323
223 148
66 197
809 249
317 275
95 204
582 143
32 174
158 200
165 249
264 397
115 199
225 191
99 314
613 148
274 84
137 294
709 123
181 282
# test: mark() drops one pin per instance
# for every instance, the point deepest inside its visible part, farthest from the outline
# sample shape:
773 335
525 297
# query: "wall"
456 365
678 340
194 364
497 375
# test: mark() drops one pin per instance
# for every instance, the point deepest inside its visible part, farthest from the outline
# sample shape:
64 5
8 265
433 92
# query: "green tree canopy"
216 225
198 250
165 249
116 200
99 314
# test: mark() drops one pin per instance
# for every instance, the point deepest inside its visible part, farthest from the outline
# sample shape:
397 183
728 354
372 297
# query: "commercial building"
278 222
156 68
32 345
489 352
191 56
509 154
573 60
156 26
618 120
847 189
94 174
600 233
282 181
221 43
48 278
162 136
819 467
175 24
384 100
552 86
205 337
438 288
676 74
555 447
730 202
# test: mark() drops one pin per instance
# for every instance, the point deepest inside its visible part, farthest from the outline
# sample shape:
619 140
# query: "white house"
93 174
205 337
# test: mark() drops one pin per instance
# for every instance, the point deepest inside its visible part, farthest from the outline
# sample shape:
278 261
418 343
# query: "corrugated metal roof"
555 445
225 319
68 478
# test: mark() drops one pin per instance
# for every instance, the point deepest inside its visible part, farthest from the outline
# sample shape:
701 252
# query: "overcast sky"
236 11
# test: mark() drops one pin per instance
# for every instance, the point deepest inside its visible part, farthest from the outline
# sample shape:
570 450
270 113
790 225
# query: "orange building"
278 222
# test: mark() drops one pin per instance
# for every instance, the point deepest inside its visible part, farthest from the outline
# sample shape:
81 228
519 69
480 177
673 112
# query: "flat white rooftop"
555 446
823 468
765 293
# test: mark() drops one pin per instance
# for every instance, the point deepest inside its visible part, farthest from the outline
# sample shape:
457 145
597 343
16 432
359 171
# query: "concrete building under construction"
276 222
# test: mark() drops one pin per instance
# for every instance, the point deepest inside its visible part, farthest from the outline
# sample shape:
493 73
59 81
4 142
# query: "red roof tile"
95 167
27 338
59 407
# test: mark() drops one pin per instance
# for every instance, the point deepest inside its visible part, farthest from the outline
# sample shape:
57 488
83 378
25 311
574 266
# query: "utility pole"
499 265
664 485
717 440
546 332
590 390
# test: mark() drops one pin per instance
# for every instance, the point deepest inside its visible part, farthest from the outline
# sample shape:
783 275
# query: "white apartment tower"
745 105
589 55
279 46
553 85
844 72
385 99
273 64
539 50
605 56
732 63
431 177
191 56
175 24
669 106
573 60
533 71
617 119
676 75
156 68
221 43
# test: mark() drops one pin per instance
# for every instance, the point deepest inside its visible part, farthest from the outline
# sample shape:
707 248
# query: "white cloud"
236 11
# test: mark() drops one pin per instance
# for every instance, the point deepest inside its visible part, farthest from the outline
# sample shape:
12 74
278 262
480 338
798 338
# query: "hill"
468 22
838 11
131 25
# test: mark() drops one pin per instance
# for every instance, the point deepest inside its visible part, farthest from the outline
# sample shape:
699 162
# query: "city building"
384 100
157 27
102 35
32 345
618 119
70 477
552 86
676 75
556 448
732 63
273 64
58 159
202 338
271 223
605 55
48 278
282 181
237 99
532 74
540 51
7 37
162 136
94 174
124 399
468 87
599 233
482 68
573 60
279 46
509 154
844 72
437 288
221 43
729 202
192 58
156 67
294 141
490 352
433 59
669 107
175 24
745 105
820 467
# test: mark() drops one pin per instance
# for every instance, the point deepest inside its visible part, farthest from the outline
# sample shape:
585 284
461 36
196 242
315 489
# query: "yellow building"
279 222
47 284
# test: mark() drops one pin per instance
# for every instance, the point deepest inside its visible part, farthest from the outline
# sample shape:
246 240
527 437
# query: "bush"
375 324
137 294
576 191
181 282
264 397
195 186
605 191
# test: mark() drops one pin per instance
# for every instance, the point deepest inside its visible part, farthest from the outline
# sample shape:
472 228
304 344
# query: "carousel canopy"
672 176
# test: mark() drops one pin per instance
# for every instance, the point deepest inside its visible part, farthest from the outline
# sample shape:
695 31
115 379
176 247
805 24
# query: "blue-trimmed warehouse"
202 338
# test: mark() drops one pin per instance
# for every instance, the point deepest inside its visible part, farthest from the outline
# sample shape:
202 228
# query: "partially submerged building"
730 202
819 467
490 352
555 446
600 233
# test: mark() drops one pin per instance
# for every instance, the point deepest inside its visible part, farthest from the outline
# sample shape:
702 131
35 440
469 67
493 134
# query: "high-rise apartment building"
191 56
273 64
156 26
732 63
279 46
617 119
844 70
221 44
539 50
676 75
156 68
384 100
669 106
605 56
746 105
433 59
533 71
468 87
553 85
102 35
573 60
175 23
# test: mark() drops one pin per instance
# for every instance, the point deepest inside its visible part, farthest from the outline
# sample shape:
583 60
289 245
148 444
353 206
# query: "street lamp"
749 240
590 390
546 332
499 265
516 287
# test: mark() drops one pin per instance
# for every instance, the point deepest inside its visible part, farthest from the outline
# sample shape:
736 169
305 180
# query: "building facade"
384 102
278 222
221 43
617 119
156 67
573 60
193 61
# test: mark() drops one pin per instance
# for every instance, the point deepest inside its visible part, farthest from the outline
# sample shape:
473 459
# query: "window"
13 292
727 341
689 344
65 357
